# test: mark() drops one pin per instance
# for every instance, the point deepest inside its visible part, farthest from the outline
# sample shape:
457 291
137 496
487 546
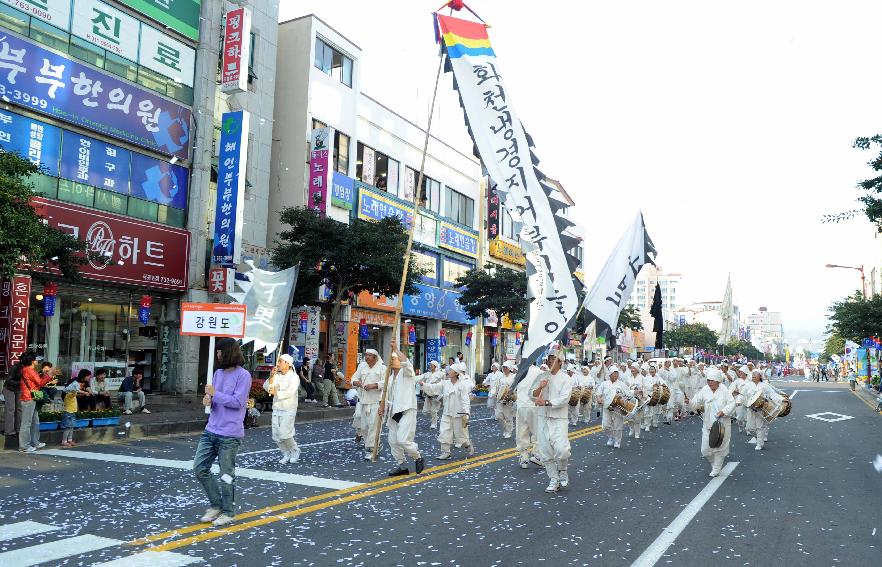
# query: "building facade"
766 330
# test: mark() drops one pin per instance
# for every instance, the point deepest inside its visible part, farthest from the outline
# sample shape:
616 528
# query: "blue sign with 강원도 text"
228 209
342 191
34 140
436 303
34 77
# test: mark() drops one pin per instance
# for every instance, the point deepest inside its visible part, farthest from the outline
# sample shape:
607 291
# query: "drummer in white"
613 420
717 406
756 422
737 387
586 381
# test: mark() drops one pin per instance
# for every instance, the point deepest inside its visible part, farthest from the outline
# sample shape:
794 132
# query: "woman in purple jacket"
227 396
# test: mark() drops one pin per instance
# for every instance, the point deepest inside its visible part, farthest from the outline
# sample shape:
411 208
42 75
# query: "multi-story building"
375 160
644 290
118 101
766 330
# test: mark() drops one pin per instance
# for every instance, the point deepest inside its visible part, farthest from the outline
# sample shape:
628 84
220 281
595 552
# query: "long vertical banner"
229 208
504 148
20 303
236 51
321 143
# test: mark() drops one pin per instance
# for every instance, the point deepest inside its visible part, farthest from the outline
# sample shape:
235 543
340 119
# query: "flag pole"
396 333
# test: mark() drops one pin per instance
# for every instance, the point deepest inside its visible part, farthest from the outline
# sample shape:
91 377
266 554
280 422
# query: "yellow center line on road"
333 498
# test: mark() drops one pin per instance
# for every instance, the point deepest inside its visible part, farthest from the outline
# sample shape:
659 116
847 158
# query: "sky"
729 124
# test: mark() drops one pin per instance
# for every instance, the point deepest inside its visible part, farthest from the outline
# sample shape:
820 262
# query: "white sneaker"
564 479
758 447
145 410
525 464
284 459
646 428
631 433
443 456
715 472
223 520
210 515
553 486
506 436
617 445
40 445
433 426
752 440
128 412
536 461
637 435
28 449
609 442
294 457
368 456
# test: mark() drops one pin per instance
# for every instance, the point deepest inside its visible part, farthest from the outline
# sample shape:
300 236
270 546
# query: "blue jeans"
211 446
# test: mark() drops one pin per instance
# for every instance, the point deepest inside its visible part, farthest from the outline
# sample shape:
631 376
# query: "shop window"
124 68
14 20
49 36
341 148
45 185
151 80
85 51
459 208
430 191
141 209
455 336
506 226
171 216
453 270
112 202
429 262
332 62
385 169
76 193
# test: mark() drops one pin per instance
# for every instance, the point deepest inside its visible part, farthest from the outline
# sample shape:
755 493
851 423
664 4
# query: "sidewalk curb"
867 396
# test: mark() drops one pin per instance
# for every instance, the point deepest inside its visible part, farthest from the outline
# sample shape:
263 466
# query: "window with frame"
381 170
459 208
341 148
506 226
454 269
429 262
430 191
332 62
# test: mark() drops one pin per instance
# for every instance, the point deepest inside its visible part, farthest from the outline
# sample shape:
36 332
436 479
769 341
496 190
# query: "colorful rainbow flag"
462 37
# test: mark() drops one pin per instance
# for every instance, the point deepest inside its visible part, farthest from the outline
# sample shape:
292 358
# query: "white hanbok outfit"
677 397
551 420
712 403
641 389
756 423
585 408
285 402
432 404
613 421
455 416
654 413
364 420
573 411
525 427
491 380
739 386
401 410
504 412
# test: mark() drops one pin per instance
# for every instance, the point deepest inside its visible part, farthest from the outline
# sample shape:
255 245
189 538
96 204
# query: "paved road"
811 497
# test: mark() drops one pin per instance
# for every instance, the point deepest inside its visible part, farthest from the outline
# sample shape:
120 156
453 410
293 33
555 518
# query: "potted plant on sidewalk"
106 417
49 420
83 419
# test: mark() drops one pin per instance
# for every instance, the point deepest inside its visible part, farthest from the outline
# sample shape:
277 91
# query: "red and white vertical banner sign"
321 148
20 301
237 51
221 279
5 313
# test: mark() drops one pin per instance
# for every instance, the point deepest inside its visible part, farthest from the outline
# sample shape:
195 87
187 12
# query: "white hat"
510 365
371 351
586 367
635 365
435 362
612 369
287 358
543 367
494 365
571 367
714 374
744 369
555 350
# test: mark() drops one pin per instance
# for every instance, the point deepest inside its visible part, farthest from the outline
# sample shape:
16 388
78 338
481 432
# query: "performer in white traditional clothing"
550 393
401 404
505 408
657 411
680 379
525 426
672 408
613 421
586 381
455 392
368 379
728 373
576 383
756 423
717 405
283 385
640 388
490 381
737 388
432 404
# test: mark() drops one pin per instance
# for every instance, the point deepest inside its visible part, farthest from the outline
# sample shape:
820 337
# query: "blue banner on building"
342 191
93 162
433 352
37 78
458 239
227 249
374 206
38 142
436 303
159 181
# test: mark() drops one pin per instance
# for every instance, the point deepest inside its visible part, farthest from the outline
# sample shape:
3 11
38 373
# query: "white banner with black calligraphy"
504 148
610 293
267 297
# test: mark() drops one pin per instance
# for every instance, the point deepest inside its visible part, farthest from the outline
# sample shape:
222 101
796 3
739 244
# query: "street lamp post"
861 270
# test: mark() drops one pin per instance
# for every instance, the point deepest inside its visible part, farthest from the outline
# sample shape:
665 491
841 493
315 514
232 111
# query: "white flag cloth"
851 349
613 287
267 300
727 332
503 146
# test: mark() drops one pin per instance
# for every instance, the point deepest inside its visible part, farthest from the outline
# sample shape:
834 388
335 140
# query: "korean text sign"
321 143
213 319
180 15
34 77
458 239
229 208
343 191
375 205
127 250
236 51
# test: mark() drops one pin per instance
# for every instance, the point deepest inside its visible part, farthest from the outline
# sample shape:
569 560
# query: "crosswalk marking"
24 529
152 559
52 551
273 476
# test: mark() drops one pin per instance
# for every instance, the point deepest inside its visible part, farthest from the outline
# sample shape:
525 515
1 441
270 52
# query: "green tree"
691 335
871 204
856 318
834 345
25 239
740 346
496 288
629 318
347 258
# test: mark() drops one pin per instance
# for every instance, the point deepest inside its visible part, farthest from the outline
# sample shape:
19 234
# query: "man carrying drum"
717 406
613 420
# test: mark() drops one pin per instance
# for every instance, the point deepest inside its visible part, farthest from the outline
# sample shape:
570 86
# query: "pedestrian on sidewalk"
227 396
284 386
306 381
323 377
69 415
12 398
132 386
31 384
852 378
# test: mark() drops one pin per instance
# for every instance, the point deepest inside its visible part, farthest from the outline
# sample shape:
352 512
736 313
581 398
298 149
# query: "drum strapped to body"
575 396
666 394
587 394
656 396
756 400
622 404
